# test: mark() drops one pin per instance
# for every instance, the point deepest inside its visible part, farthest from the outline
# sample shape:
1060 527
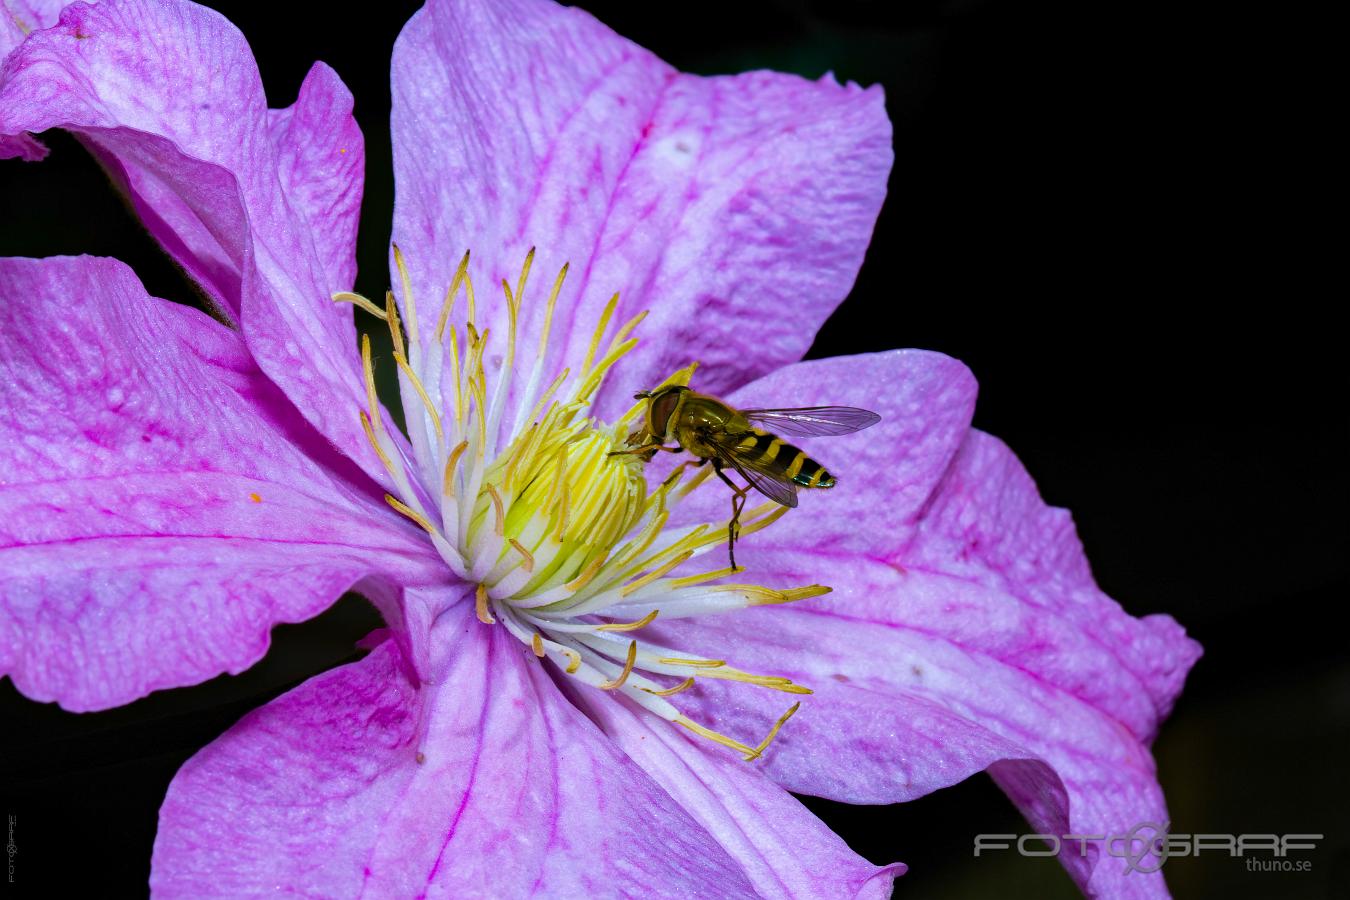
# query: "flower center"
565 541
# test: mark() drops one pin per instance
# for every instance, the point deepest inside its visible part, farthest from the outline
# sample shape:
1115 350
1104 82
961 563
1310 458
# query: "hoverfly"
729 438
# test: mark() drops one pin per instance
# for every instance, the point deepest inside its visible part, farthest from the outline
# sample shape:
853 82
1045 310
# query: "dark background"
1098 212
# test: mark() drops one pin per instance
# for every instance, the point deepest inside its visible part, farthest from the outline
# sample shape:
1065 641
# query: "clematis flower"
573 694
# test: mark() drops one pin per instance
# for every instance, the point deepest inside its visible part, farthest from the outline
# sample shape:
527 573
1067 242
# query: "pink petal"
162 505
19 18
259 206
785 850
518 794
736 209
965 631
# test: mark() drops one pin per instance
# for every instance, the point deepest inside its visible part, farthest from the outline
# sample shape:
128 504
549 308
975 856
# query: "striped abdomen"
774 456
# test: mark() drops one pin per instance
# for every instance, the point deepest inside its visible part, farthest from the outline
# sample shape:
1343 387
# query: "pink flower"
174 487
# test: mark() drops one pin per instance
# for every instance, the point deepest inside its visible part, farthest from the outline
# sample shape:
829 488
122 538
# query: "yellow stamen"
772 682
548 311
773 732
690 580
747 753
671 691
468 295
499 516
448 485
599 333
630 626
654 574
537 644
761 596
696 663
543 401
528 564
585 577
480 606
409 304
409 512
524 274
627 670
358 300
565 495
391 313
450 296
375 444
421 392
575 658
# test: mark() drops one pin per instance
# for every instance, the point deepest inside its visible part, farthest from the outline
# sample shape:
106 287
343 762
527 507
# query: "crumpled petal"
162 504
785 850
964 632
18 19
517 793
736 209
260 207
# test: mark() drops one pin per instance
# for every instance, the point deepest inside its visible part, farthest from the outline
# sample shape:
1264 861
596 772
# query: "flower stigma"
551 520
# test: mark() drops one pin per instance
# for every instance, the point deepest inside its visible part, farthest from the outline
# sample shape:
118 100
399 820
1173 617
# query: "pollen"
544 508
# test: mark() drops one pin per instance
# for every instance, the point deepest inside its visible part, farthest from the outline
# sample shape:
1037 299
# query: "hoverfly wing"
767 483
818 421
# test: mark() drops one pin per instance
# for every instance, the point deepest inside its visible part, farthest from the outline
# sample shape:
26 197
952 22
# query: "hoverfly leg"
645 448
737 504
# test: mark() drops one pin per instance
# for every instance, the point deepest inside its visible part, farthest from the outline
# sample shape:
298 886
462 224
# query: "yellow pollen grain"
646 620
409 512
627 670
671 691
696 663
480 606
528 557
537 644
255 497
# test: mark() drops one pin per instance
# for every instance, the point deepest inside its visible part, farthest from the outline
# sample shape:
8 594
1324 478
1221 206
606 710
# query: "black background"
1101 214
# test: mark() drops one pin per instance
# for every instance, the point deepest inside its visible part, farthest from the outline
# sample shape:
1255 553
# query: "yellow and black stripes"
772 455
